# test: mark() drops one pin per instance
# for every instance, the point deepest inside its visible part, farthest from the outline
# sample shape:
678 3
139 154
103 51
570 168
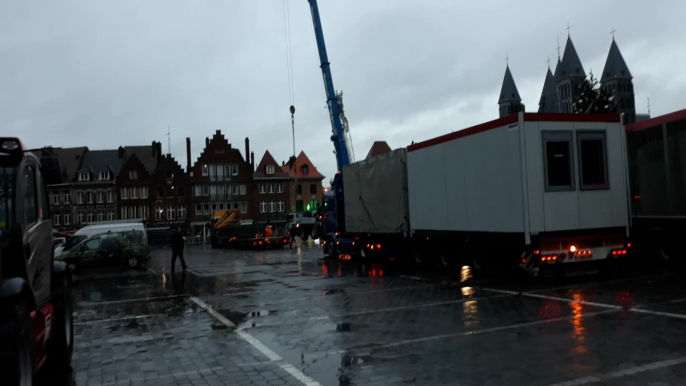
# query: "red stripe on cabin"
465 132
533 117
568 117
657 121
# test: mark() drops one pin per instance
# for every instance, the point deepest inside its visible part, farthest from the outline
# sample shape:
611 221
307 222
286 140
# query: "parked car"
129 247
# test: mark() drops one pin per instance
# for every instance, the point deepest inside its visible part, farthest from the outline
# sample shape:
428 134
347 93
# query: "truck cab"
35 300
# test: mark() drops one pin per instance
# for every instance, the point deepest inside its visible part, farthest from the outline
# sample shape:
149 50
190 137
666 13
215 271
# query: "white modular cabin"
525 176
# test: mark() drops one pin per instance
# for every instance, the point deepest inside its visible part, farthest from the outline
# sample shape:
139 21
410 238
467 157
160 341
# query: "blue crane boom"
338 137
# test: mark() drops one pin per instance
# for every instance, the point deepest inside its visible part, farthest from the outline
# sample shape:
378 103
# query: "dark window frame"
592 134
558 136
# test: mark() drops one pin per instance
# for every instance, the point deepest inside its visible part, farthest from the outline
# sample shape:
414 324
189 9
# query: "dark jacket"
177 241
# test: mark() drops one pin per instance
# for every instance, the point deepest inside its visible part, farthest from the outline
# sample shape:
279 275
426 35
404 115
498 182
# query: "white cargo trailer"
541 189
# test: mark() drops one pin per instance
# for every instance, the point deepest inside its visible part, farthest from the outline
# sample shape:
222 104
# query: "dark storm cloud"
105 73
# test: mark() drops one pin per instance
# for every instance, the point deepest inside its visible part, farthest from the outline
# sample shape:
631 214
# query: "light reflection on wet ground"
351 322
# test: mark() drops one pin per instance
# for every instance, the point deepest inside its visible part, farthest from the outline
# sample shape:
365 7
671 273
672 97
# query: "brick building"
170 194
134 180
62 190
94 189
305 190
221 179
271 190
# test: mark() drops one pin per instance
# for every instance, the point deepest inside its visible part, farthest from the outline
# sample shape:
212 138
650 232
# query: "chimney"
188 155
154 149
159 153
247 148
120 152
252 161
207 141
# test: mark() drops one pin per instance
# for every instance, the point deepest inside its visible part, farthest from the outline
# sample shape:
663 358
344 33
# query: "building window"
144 192
270 169
557 150
272 207
221 206
123 215
205 190
213 172
159 213
234 170
170 174
263 207
104 176
66 198
243 190
300 189
281 206
124 194
207 208
182 212
244 207
271 188
67 219
79 198
305 169
197 190
263 188
79 218
235 206
220 173
592 160
90 197
56 199
205 170
170 212
134 193
313 188
110 216
213 192
101 216
99 196
56 219
84 176
89 217
198 209
110 196
133 174
279 188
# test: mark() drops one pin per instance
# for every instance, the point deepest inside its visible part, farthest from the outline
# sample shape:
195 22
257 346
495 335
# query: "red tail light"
286 240
378 246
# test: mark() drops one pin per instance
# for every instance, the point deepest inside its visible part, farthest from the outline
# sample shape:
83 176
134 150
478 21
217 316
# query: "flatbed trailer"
538 191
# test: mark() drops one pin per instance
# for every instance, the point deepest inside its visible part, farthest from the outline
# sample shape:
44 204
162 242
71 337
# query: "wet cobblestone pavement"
300 320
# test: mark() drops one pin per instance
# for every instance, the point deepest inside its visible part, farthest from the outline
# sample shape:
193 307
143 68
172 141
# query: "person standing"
177 243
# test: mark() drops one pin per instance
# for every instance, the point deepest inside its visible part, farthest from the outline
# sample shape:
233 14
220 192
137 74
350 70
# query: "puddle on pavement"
234 316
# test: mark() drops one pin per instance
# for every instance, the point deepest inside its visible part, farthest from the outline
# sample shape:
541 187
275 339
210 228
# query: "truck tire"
62 346
18 354
132 262
331 247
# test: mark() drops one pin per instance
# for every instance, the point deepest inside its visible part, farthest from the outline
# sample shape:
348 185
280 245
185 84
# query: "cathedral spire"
615 67
571 64
509 101
548 101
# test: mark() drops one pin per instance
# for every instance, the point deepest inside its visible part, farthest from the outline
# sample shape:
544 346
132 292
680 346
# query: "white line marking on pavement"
88 322
622 373
149 299
660 313
259 346
600 282
214 313
602 305
299 375
500 291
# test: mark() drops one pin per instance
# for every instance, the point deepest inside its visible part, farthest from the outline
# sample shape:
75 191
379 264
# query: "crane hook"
292 110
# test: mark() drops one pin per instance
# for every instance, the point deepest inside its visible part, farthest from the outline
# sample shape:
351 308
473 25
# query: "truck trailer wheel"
331 247
132 262
62 346
18 353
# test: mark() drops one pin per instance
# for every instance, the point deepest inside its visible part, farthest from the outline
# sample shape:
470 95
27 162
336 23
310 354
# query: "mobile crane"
334 221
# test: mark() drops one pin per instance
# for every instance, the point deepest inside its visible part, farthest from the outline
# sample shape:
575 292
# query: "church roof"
377 149
509 89
615 67
548 101
570 64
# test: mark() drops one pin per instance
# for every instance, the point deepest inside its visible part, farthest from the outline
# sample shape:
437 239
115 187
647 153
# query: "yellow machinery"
224 218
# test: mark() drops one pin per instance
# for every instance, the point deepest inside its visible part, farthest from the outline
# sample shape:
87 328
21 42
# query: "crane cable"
289 67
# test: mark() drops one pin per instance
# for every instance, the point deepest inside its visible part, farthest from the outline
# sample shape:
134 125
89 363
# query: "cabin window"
592 160
557 153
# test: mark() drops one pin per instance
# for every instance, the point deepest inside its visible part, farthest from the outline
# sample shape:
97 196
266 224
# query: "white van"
91 230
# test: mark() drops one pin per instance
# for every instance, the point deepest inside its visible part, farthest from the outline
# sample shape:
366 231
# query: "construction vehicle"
228 231
36 322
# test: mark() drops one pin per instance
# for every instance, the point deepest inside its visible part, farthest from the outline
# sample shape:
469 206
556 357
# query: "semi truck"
540 191
36 322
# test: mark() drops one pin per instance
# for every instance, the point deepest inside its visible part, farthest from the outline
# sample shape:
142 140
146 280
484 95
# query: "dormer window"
270 169
305 169
133 174
84 176
105 176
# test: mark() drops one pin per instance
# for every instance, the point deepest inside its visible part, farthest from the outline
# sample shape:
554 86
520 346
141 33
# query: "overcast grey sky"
105 73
